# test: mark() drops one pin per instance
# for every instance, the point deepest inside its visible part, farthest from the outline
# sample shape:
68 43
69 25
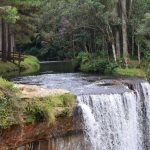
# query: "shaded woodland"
114 30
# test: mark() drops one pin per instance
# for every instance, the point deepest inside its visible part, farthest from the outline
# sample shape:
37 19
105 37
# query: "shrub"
46 109
146 66
83 57
9 108
40 113
68 100
95 63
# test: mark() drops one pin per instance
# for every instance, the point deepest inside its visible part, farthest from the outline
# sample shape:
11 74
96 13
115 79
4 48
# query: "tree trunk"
130 8
73 47
112 42
14 46
139 53
124 28
95 42
114 51
0 37
4 41
9 43
118 44
132 44
6 26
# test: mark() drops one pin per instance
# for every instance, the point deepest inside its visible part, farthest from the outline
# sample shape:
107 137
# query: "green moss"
130 72
30 64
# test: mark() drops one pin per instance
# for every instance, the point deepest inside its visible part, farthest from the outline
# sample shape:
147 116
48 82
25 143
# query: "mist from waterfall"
117 121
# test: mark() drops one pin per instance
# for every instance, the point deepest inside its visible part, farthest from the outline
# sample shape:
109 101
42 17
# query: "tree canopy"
60 29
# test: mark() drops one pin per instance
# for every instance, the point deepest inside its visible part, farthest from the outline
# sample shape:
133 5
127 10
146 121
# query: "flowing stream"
115 112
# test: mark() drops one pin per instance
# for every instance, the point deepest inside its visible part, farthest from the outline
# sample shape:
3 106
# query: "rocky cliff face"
66 132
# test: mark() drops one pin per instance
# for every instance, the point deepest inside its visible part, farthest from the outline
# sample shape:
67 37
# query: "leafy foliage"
60 30
9 109
9 13
45 109
95 63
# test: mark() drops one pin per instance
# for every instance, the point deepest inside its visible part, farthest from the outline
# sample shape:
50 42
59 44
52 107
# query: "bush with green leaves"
146 66
95 63
9 108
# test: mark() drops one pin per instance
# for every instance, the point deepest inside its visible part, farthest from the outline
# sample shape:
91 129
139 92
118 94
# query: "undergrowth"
95 63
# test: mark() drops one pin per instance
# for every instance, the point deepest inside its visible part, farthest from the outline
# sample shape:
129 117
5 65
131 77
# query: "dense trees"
15 24
110 27
8 17
63 28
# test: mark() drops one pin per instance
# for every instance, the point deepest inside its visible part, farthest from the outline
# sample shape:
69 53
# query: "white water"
114 122
146 92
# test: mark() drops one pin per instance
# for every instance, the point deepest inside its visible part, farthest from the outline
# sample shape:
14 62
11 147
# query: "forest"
100 35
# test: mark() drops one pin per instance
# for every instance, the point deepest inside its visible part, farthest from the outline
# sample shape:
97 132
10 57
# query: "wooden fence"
14 56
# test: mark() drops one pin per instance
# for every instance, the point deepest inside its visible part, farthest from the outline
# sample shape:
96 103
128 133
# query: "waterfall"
146 100
117 121
146 92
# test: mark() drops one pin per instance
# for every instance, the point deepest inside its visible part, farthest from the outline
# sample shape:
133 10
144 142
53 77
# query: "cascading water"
115 121
146 92
146 100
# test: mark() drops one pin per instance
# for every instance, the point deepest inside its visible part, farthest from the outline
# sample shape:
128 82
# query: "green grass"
133 72
47 109
7 67
16 110
28 66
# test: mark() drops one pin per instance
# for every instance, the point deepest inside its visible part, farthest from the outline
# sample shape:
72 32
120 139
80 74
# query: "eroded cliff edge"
36 118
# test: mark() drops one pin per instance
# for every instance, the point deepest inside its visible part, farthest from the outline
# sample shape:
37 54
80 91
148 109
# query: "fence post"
19 62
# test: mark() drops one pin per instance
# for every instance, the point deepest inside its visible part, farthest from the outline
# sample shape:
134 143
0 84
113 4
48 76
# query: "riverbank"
29 65
97 63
